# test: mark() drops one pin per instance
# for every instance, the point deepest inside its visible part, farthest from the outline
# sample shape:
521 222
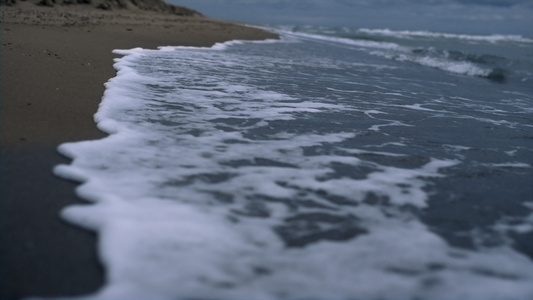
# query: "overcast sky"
468 16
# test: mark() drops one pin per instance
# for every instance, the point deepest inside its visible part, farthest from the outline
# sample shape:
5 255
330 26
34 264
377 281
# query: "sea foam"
253 171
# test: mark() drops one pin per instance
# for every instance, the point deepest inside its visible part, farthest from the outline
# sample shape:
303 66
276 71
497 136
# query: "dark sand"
54 62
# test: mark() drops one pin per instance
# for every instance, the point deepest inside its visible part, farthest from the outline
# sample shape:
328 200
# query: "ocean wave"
247 171
454 61
493 38
461 67
345 40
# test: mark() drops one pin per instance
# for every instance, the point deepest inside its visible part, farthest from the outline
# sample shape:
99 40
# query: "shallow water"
334 163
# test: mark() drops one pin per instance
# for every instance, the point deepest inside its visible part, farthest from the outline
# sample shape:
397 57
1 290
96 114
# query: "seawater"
333 163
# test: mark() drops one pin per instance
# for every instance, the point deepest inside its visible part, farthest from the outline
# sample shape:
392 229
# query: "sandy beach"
54 62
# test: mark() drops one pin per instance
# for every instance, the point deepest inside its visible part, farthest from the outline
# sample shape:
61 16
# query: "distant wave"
453 61
347 41
461 67
457 62
487 38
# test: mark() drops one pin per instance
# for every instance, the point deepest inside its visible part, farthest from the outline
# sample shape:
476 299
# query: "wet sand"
54 62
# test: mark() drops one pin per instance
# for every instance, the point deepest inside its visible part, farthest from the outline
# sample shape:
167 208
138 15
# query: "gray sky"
465 16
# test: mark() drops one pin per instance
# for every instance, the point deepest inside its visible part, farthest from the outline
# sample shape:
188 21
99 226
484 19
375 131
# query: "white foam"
416 106
457 67
493 38
358 151
345 41
203 167
510 165
402 53
159 250
456 147
388 124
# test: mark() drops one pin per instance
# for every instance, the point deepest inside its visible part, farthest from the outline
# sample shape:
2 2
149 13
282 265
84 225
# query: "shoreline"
58 59
54 63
